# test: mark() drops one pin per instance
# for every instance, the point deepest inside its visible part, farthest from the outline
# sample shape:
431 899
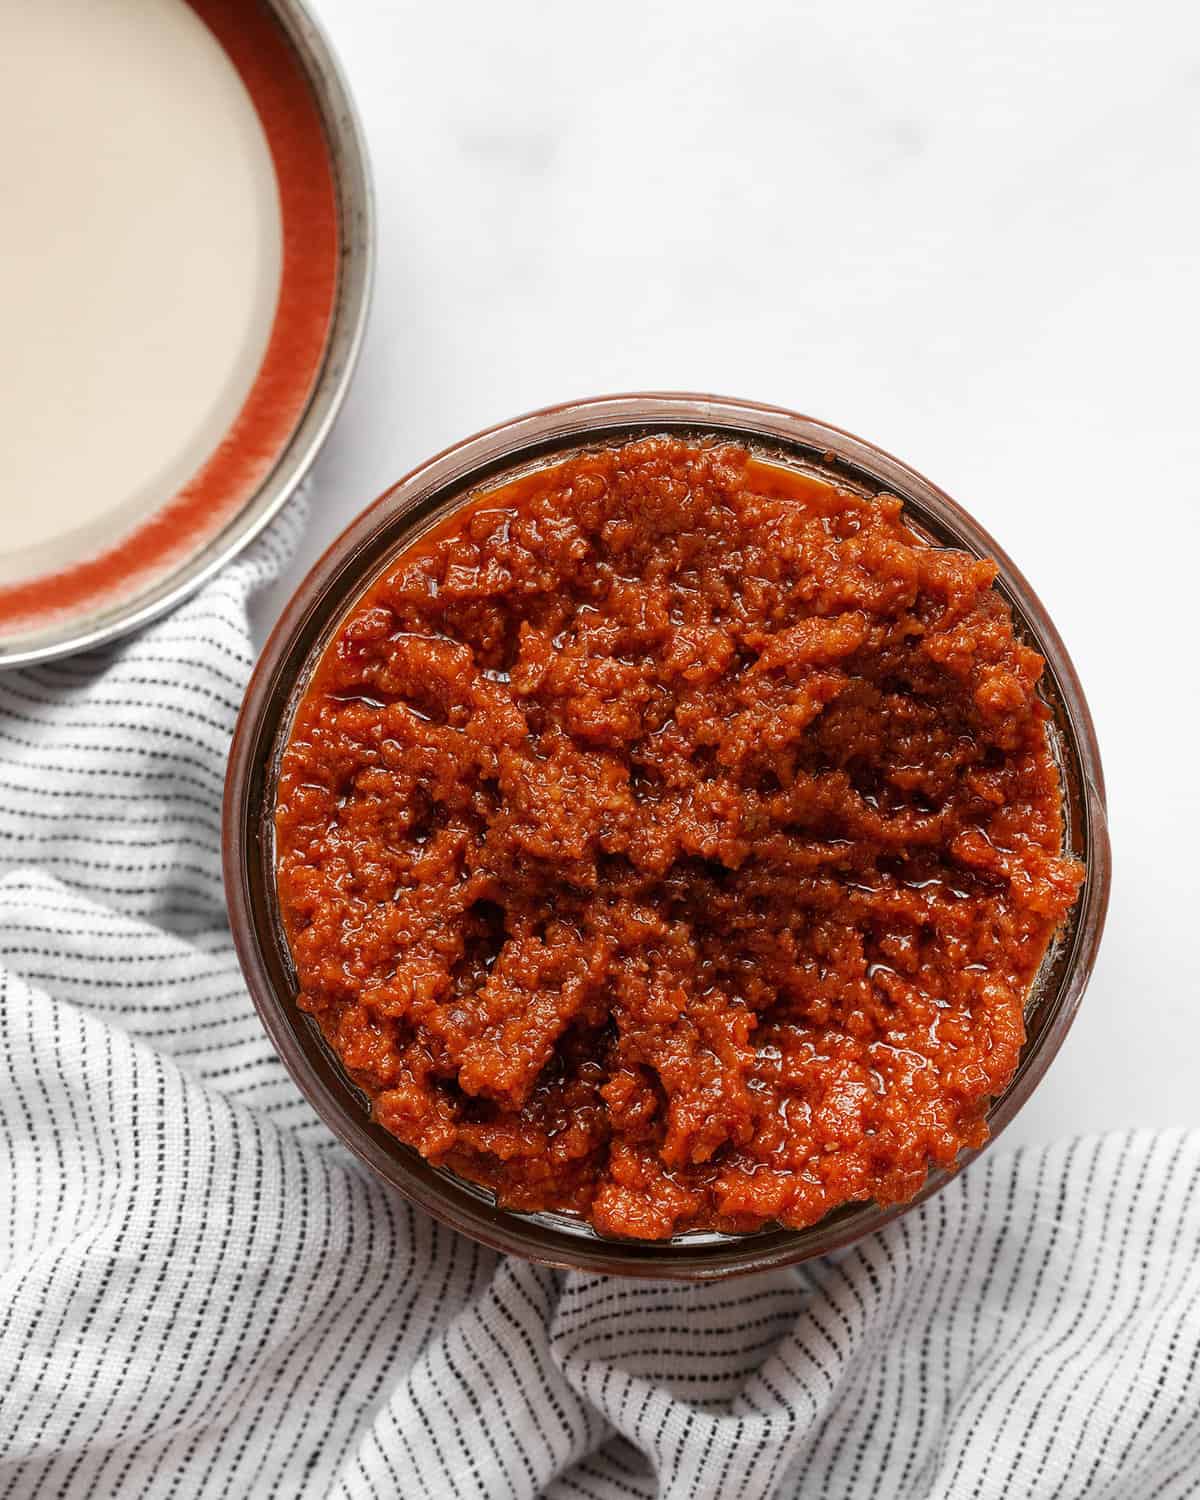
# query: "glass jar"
420 501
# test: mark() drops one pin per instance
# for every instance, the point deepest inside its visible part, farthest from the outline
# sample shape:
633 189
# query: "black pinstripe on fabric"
656 1301
11 1362
335 1311
1154 1221
1169 1453
11 1135
981 1286
861 1430
320 1404
620 1481
858 1378
300 1369
1192 1425
1175 1342
573 1484
1082 1306
134 804
901 1343
515 1276
891 1280
450 1419
647 1439
276 1306
479 1373
529 1399
915 1438
135 1139
1114 1340
207 1201
34 1324
1034 1365
225 1249
62 706
208 778
1028 1304
413 1305
1168 1307
425 1367
166 1267
781 1442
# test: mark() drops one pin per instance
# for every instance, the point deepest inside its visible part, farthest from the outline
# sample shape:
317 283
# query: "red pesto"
275 80
673 840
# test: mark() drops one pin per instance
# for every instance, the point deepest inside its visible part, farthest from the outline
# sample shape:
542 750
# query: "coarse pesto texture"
674 841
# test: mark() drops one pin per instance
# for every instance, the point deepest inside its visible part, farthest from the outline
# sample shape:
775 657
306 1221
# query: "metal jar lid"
62 622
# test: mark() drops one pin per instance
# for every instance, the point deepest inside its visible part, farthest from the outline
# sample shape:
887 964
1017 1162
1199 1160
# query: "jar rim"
373 539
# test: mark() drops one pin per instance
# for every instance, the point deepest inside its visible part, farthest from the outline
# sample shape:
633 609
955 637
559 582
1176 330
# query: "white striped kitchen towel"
203 1296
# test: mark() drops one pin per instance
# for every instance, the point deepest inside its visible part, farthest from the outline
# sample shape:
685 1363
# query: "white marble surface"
968 231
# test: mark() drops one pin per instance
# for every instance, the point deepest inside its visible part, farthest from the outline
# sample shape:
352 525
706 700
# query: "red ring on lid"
283 98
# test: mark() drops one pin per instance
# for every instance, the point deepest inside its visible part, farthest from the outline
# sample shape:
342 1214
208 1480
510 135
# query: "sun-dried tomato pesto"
673 841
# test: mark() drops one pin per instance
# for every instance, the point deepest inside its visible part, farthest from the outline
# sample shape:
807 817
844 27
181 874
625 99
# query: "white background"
969 232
